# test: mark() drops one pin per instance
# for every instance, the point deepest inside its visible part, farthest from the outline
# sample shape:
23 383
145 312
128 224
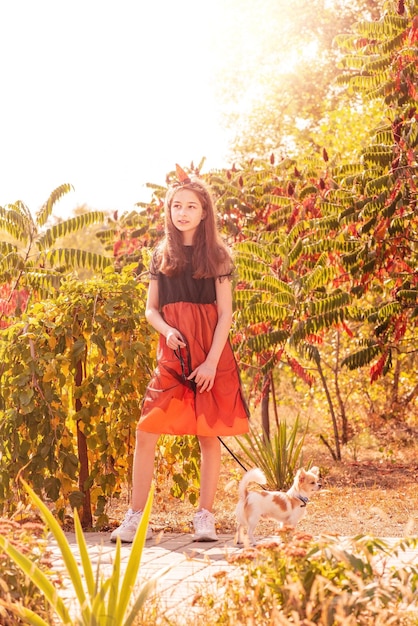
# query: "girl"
195 388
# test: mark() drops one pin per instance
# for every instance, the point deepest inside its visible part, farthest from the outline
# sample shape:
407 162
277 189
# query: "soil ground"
372 495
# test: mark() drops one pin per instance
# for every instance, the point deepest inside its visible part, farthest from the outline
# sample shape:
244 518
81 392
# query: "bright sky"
105 95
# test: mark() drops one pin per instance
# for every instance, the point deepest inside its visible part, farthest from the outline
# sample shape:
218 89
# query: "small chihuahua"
285 507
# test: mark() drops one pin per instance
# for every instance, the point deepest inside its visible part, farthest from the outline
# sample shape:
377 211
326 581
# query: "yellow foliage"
50 371
55 422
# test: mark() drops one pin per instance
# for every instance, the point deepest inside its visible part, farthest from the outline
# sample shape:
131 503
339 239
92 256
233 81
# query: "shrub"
15 586
327 581
101 601
279 457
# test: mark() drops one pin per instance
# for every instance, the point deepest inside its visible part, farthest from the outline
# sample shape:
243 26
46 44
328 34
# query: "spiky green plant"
279 456
101 601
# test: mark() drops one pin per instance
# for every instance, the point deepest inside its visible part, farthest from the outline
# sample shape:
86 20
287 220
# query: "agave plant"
279 457
101 601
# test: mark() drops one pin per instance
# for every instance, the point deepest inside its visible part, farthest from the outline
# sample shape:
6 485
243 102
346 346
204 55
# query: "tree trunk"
86 516
273 397
344 420
331 409
265 397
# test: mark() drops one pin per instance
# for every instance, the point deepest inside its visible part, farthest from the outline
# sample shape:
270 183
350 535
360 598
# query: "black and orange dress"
172 405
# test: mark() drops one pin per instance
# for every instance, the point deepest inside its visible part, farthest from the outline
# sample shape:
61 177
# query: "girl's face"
186 213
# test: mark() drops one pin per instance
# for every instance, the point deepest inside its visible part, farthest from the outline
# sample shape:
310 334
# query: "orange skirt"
172 405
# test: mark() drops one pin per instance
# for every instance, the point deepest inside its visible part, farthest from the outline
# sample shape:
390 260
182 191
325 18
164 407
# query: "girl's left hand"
204 376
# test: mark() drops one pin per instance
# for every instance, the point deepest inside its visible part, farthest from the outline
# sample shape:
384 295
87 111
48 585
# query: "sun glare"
109 96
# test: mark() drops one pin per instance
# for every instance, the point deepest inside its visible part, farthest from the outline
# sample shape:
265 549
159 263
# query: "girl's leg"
143 468
143 471
210 448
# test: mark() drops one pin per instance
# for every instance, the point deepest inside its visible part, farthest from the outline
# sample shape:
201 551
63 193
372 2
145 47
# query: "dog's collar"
304 501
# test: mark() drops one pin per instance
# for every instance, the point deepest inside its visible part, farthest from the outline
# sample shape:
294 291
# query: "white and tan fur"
285 507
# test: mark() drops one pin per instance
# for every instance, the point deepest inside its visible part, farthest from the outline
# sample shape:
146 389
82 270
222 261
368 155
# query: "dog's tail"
252 476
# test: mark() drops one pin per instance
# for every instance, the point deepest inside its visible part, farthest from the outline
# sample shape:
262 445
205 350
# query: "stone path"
190 564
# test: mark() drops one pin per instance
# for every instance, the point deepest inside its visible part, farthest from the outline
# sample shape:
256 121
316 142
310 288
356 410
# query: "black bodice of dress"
184 288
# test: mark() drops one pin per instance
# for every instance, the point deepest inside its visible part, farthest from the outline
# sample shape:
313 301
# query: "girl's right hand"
174 339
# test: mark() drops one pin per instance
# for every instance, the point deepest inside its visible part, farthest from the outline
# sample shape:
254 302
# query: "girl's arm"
173 337
204 374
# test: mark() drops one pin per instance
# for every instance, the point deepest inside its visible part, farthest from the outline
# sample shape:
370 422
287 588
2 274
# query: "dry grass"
372 494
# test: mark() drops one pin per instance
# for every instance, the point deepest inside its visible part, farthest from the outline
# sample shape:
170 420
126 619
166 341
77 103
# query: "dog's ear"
316 470
301 475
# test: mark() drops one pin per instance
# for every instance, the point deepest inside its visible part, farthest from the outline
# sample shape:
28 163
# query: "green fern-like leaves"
9 226
334 302
264 311
274 312
362 357
71 258
69 226
43 282
267 341
29 257
369 68
46 209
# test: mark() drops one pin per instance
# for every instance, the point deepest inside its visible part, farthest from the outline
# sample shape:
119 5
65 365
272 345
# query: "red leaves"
400 327
182 176
347 329
293 218
396 129
377 369
260 328
11 303
314 339
125 246
362 42
413 33
237 338
381 229
116 247
300 371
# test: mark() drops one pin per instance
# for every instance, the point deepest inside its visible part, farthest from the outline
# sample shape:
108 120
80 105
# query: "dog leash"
239 462
303 499
183 379
233 455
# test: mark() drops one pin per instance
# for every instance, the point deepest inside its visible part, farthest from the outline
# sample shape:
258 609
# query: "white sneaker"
126 531
204 526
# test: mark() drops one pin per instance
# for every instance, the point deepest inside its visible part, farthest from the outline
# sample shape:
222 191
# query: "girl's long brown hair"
211 256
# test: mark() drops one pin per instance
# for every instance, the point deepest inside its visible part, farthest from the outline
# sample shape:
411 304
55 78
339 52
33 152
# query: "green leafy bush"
72 376
179 458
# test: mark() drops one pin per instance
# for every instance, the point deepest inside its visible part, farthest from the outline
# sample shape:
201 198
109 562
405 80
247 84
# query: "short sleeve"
223 277
226 273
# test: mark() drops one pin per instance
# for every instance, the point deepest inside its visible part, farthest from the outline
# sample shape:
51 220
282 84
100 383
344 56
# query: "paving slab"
181 564
189 565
